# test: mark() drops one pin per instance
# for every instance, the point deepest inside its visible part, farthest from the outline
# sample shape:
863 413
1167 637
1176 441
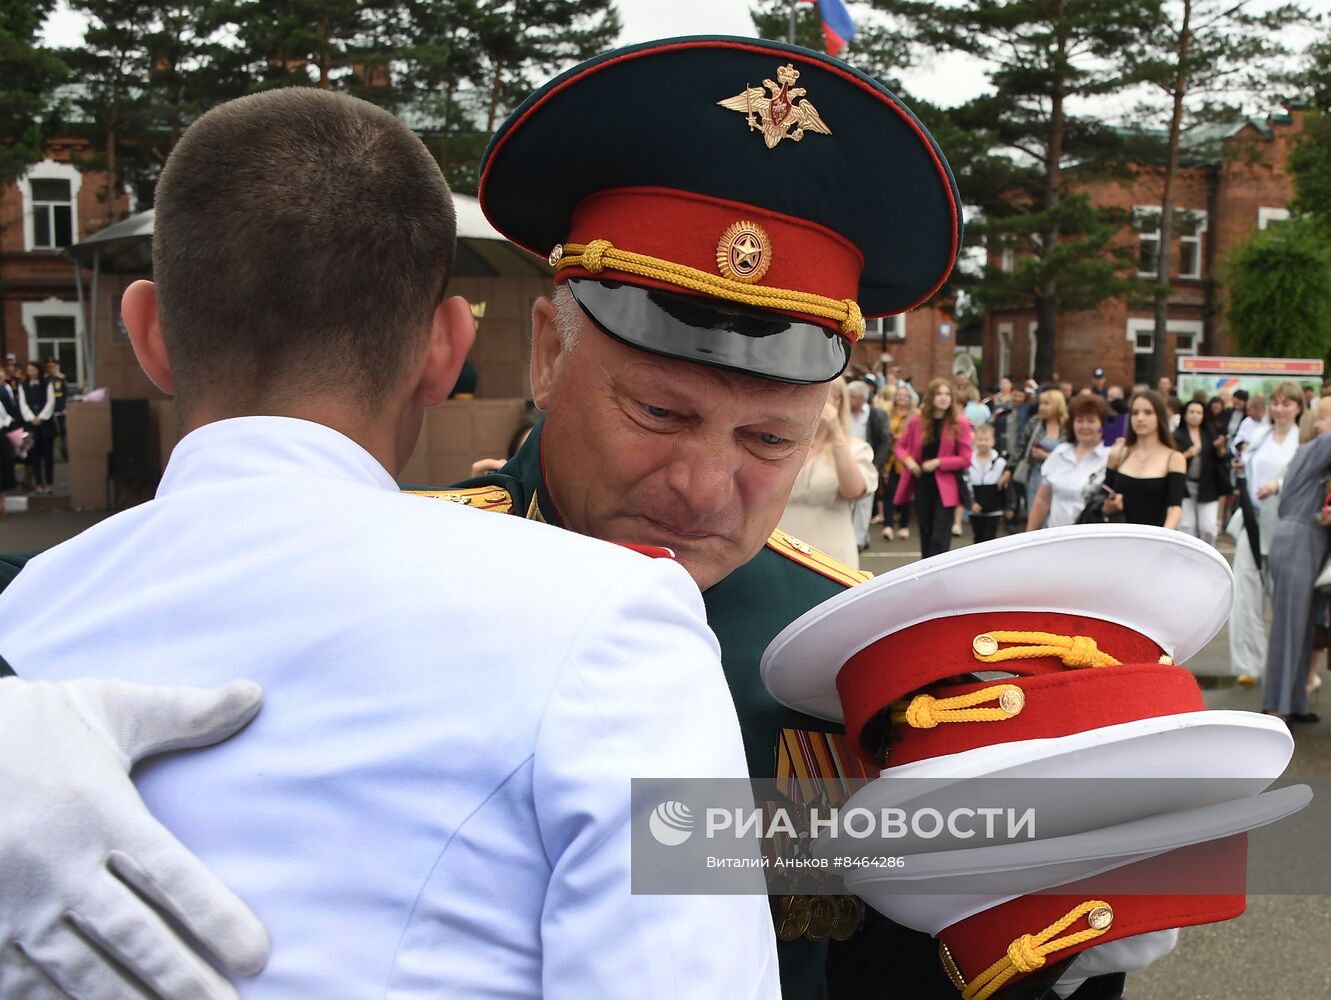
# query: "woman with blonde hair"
935 447
902 407
1043 433
1259 471
837 471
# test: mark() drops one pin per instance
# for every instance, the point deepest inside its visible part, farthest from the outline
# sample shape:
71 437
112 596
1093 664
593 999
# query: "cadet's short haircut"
301 243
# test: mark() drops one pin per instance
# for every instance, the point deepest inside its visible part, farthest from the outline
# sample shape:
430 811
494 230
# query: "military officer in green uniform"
719 225
721 215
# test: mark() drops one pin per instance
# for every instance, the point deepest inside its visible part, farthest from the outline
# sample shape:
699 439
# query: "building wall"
1234 194
37 277
923 354
502 353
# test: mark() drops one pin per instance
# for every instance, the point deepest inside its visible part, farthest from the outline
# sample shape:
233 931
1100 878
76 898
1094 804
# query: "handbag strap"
1033 431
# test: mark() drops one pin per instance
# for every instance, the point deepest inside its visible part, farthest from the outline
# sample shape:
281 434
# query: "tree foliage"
1310 160
1203 58
1024 153
28 75
879 48
1280 292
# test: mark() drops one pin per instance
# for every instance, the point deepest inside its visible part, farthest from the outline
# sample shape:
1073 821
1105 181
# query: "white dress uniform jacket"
434 800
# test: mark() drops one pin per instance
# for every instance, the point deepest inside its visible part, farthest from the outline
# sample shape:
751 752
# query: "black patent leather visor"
749 341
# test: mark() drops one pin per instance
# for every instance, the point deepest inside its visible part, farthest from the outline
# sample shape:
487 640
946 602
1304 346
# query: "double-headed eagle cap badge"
778 114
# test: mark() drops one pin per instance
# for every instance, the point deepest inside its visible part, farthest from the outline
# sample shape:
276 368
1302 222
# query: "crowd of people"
32 417
1027 457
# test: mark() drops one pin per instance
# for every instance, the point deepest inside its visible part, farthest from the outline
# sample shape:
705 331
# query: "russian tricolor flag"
838 28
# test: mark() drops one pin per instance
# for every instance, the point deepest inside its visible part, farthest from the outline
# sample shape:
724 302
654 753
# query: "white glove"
1125 955
87 875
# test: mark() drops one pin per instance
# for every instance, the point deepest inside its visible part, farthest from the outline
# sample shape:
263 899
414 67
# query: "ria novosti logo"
671 823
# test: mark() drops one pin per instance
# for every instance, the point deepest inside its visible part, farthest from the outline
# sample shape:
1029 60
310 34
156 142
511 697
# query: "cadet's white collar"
247 447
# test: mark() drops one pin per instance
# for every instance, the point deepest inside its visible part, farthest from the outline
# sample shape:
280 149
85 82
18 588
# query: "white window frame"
1178 327
886 328
1266 216
1139 213
1007 260
55 307
1195 239
1034 342
48 170
1004 350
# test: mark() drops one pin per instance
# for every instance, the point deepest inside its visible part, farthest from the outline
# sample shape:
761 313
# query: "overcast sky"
948 81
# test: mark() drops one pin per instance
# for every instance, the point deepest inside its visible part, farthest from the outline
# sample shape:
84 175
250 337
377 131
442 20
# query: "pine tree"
183 80
330 44
878 47
1023 155
523 42
111 69
1205 52
28 75
1310 160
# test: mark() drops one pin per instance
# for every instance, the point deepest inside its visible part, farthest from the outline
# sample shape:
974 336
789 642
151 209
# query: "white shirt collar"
251 447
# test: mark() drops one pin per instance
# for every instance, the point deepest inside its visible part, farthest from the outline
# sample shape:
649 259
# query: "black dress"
1147 501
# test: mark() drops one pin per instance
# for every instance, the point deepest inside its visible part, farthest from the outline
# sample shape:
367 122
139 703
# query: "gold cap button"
984 645
1012 701
557 254
1101 917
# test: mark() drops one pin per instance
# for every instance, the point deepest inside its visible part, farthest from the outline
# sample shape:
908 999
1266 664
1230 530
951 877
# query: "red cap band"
1071 701
980 940
683 228
924 654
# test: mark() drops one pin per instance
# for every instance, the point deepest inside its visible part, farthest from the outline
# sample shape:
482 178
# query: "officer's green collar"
528 467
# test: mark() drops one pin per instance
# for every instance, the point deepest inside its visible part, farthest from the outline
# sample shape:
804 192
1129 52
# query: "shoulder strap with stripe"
492 497
815 559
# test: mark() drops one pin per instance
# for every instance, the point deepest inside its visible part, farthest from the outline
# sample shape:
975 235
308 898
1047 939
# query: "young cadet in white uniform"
435 798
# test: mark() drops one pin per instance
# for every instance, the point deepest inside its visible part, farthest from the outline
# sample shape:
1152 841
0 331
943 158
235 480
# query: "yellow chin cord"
601 255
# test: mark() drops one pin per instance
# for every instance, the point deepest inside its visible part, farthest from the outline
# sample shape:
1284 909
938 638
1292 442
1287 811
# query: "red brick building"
1222 199
922 343
51 206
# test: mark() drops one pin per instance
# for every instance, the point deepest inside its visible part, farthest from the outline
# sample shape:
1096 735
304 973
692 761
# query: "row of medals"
816 918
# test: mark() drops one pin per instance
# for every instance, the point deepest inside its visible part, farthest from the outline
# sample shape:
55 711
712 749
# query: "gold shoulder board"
815 559
482 497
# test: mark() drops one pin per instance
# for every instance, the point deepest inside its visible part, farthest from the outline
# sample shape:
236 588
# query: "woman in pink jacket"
935 449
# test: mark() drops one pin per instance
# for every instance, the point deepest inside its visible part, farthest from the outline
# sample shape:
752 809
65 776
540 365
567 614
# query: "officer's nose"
703 477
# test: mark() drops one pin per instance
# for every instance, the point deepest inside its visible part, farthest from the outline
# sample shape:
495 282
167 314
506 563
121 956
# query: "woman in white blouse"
838 471
1264 459
1075 469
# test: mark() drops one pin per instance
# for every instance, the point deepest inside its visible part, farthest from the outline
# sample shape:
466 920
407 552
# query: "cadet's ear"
546 347
452 332
138 308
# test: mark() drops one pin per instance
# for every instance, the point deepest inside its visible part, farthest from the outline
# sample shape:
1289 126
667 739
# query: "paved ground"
1278 949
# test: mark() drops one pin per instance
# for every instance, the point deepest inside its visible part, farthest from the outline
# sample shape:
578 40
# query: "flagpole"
791 37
